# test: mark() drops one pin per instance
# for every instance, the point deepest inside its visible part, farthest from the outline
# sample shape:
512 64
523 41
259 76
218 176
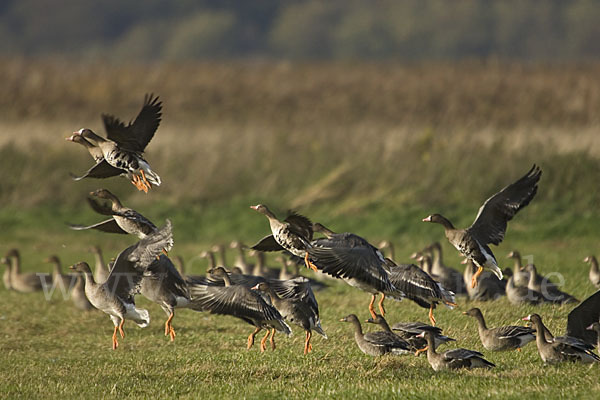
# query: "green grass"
50 349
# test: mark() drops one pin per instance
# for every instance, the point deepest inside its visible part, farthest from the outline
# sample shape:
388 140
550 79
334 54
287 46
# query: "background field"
362 147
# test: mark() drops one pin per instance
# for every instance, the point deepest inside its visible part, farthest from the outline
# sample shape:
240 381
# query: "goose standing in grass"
59 279
301 309
240 259
376 343
521 276
491 222
410 331
24 282
125 144
453 359
78 296
293 234
101 270
418 286
351 258
594 270
450 278
508 337
241 302
522 294
115 297
122 219
414 345
220 254
260 269
558 350
549 290
489 286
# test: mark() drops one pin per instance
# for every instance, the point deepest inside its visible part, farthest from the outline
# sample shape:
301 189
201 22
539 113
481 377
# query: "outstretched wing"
99 171
491 221
110 226
268 243
137 134
300 225
583 316
148 249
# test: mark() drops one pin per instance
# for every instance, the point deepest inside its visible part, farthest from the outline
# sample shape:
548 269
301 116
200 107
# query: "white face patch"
80 131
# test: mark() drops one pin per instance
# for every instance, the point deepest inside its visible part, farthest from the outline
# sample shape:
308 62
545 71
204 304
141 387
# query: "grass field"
370 149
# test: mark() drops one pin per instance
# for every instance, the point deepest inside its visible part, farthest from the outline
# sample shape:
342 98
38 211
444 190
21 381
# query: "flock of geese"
271 299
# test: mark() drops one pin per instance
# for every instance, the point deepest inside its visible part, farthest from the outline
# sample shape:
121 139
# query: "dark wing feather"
513 331
351 257
152 246
415 328
583 316
461 354
100 208
298 289
99 171
136 135
163 271
268 243
124 279
415 283
110 226
491 221
300 225
145 225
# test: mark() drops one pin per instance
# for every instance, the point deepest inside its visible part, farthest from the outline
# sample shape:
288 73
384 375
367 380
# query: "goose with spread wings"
124 145
491 222
353 259
238 301
115 297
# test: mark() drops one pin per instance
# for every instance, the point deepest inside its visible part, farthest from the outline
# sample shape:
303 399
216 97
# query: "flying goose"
490 223
125 144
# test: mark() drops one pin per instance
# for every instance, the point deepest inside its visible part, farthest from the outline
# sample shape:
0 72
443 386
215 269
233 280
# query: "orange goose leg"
419 351
121 328
371 309
137 182
115 344
263 342
251 337
169 331
431 317
381 309
145 181
310 264
272 339
474 278
307 345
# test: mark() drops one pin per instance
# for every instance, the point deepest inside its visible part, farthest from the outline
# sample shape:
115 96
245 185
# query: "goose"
124 145
586 313
241 302
376 343
6 273
102 169
101 270
521 276
559 350
58 278
489 286
293 234
410 331
594 270
240 260
522 294
24 282
490 223
508 337
122 219
418 286
221 256
415 344
549 290
260 269
353 259
115 297
301 309
450 278
453 359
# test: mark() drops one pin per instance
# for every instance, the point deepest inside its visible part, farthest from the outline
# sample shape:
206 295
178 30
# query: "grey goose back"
301 308
453 359
123 220
509 337
238 301
385 327
561 349
594 273
115 297
354 260
376 343
293 234
124 145
490 223
411 332
550 292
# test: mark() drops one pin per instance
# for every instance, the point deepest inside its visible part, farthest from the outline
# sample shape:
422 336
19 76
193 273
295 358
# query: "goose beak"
72 267
422 334
590 328
255 208
464 313
427 219
466 260
255 287
527 318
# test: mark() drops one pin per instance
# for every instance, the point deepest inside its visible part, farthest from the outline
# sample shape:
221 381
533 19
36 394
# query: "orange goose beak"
254 207
427 219
527 318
